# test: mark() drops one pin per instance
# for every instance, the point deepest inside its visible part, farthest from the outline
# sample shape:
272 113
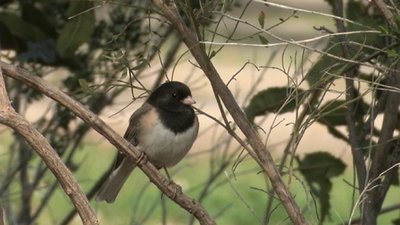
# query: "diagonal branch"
385 12
169 188
264 158
39 143
351 95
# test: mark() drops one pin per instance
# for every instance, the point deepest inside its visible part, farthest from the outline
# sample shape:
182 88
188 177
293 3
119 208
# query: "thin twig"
351 95
287 42
248 206
263 157
168 187
10 118
295 43
310 12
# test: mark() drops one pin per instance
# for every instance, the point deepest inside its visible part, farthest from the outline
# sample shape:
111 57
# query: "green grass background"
235 200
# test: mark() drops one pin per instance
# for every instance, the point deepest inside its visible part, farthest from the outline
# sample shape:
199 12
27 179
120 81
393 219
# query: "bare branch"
300 44
354 134
39 143
264 158
311 12
385 12
169 188
287 42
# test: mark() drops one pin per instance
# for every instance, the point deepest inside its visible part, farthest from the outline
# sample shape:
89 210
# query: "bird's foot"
142 159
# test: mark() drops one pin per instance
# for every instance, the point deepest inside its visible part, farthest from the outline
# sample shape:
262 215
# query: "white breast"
163 147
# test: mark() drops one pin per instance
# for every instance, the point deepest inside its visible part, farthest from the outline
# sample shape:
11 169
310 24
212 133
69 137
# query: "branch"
39 143
264 158
351 96
268 3
1 208
90 194
383 211
284 42
385 12
169 188
297 44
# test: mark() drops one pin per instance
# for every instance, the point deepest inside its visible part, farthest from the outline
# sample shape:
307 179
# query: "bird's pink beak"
188 100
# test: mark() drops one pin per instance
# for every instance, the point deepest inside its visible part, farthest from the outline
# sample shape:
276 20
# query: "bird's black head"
173 102
172 96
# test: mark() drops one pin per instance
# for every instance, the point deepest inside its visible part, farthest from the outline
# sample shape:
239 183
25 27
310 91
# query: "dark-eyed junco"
164 128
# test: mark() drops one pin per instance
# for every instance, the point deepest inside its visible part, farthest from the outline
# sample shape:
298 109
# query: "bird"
164 128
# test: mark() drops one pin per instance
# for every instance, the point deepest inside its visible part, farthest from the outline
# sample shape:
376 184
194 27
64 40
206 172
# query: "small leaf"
334 113
396 221
213 53
318 75
261 18
77 30
273 100
141 65
85 86
263 40
318 168
20 28
337 134
39 17
393 53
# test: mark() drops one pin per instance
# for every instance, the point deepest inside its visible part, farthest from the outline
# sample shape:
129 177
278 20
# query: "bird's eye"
174 95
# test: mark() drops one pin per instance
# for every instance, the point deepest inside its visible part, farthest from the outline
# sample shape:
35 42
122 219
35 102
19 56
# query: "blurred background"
110 54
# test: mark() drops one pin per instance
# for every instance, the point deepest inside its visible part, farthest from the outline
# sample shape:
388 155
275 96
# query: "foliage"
96 54
103 48
273 100
318 169
354 111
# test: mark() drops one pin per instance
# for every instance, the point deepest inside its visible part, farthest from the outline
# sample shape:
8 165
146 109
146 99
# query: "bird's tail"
111 187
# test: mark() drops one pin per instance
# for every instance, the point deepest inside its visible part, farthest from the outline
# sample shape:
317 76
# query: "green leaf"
318 168
333 113
263 40
213 53
78 30
396 221
318 75
85 86
39 17
261 18
393 53
325 188
337 134
20 28
355 10
142 63
273 100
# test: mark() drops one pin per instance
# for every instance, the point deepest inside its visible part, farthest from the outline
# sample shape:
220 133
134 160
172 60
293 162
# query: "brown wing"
132 132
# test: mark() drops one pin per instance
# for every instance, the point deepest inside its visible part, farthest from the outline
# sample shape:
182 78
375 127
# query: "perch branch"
166 186
264 158
39 143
